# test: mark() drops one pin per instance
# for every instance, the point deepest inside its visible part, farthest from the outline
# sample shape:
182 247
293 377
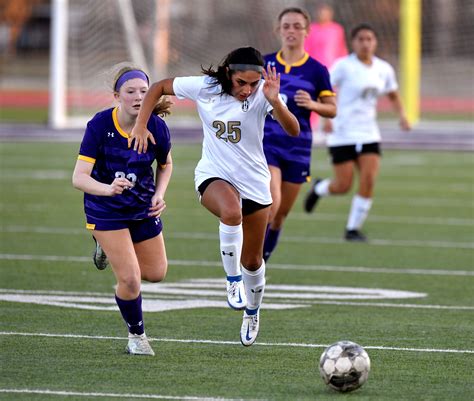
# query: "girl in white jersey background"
232 176
354 139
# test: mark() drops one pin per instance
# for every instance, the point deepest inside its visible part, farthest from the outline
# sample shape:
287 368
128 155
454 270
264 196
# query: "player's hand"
271 87
118 186
327 126
158 204
141 137
405 124
303 99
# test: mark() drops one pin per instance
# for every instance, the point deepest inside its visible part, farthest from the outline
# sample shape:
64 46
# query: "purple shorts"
291 171
140 230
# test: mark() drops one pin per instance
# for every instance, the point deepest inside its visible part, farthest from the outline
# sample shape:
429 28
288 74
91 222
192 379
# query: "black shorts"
341 154
248 206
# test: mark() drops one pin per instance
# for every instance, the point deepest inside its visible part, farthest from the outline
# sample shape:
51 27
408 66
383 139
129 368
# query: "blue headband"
126 76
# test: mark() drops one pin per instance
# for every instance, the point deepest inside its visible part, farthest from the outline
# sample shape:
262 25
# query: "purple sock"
132 314
271 240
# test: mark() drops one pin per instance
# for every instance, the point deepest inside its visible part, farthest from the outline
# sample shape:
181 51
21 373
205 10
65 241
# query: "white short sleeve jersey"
233 135
358 87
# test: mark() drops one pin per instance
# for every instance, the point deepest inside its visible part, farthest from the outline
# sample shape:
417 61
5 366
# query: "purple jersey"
310 76
106 145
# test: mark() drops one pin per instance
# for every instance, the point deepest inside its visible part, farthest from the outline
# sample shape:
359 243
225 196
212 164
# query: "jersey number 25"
232 130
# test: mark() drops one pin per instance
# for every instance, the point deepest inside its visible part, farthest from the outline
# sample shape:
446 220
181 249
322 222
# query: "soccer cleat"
250 326
139 345
311 198
355 236
235 293
99 257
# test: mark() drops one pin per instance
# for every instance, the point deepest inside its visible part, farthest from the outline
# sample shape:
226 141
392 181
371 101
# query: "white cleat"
236 294
139 345
250 326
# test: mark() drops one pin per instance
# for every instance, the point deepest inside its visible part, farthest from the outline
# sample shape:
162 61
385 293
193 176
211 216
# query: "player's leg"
343 160
223 200
368 165
291 174
149 244
272 233
253 267
121 253
289 193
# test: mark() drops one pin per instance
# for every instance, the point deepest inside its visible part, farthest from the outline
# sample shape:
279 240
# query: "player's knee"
278 220
156 274
252 262
130 283
232 216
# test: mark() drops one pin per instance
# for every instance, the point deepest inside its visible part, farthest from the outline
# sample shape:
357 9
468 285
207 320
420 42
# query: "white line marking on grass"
115 395
219 342
327 240
388 219
298 239
277 266
23 296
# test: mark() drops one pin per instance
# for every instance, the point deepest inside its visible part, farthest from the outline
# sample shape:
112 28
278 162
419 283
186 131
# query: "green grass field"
62 338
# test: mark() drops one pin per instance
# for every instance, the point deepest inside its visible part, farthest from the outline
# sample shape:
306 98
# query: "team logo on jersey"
245 105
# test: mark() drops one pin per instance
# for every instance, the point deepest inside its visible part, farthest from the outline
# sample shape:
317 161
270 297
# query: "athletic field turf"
407 297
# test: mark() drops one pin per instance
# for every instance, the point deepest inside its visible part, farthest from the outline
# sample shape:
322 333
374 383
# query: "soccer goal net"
176 37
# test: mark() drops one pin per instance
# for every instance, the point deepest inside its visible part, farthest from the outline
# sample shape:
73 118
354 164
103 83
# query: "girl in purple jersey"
289 158
123 200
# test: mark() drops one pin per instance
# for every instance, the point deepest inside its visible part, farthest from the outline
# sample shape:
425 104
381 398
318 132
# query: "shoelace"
233 288
253 322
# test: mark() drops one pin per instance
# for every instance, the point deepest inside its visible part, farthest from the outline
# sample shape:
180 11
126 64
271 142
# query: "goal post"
410 57
58 70
87 38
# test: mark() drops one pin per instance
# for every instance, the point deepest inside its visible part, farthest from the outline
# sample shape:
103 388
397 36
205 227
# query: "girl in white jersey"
360 78
232 176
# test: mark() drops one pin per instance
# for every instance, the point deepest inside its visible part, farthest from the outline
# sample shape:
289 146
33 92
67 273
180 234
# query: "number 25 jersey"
233 134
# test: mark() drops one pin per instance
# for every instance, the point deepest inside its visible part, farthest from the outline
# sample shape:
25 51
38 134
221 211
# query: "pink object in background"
326 43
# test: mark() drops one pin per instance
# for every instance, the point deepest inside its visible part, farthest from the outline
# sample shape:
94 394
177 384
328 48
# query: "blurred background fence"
176 37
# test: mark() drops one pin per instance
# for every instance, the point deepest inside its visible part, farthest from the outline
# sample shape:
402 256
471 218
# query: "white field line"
213 236
437 221
114 395
272 266
217 342
327 240
160 295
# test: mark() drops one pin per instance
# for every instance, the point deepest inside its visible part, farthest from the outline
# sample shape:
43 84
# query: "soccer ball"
344 366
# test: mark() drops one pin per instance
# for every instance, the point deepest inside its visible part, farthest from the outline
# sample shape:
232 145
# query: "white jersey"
358 88
233 137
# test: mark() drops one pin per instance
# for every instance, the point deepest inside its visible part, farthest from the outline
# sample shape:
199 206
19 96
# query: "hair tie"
127 75
246 67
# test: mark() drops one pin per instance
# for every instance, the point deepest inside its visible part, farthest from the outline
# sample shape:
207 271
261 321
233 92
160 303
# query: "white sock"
254 283
322 187
231 238
359 210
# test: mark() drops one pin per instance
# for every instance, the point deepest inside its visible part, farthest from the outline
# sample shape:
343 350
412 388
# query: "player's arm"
325 107
396 101
139 131
163 176
82 180
280 112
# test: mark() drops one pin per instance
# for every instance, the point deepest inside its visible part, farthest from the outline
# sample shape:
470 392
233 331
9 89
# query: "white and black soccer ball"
344 366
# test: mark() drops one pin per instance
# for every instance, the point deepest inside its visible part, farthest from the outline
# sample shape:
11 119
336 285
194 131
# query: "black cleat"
99 257
355 236
311 198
